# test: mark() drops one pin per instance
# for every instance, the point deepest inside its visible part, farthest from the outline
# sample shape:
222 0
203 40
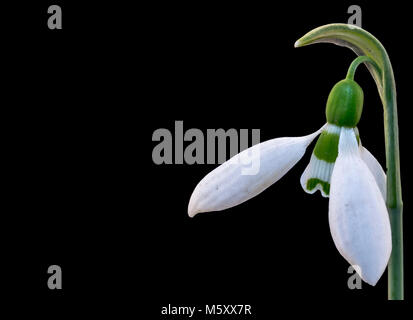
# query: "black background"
116 223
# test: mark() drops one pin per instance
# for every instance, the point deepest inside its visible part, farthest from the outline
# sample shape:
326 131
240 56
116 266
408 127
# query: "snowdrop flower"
340 168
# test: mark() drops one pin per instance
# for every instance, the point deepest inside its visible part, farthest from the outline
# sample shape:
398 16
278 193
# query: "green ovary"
345 104
313 182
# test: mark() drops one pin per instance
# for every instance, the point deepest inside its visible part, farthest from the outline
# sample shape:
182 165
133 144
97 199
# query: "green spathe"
345 104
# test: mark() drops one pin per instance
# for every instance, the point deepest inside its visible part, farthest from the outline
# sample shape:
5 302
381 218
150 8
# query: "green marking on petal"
313 182
326 147
316 176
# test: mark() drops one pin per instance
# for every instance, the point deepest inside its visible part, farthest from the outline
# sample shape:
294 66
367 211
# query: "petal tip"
192 214
371 279
192 210
370 282
297 44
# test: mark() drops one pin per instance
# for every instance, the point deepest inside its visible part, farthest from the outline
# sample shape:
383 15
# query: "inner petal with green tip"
318 172
317 175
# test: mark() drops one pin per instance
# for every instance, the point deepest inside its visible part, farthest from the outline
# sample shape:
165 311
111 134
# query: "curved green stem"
365 44
353 67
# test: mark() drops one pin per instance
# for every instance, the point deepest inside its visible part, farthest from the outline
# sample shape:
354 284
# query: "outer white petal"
247 174
375 168
358 217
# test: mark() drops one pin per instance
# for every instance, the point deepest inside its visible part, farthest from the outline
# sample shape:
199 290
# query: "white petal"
375 169
247 174
359 222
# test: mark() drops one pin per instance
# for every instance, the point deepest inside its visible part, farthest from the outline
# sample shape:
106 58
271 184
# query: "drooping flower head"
340 168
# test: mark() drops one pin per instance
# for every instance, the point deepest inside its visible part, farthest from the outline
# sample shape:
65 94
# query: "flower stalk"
372 51
356 62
